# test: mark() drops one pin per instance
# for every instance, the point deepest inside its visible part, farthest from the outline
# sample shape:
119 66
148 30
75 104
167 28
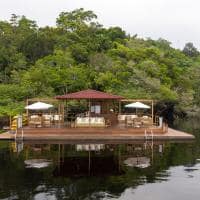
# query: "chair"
47 119
146 122
129 121
57 119
35 121
108 123
137 123
121 118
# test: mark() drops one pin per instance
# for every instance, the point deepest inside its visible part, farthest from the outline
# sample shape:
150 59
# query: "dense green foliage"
80 53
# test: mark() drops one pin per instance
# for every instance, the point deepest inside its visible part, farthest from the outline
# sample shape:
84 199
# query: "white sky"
174 20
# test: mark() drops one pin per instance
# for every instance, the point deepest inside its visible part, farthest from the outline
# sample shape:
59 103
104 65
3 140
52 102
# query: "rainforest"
79 53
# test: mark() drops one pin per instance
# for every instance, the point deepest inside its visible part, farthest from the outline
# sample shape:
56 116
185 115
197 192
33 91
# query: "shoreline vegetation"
79 53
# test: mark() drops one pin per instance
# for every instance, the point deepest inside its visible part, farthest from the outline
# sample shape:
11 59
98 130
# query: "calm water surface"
145 170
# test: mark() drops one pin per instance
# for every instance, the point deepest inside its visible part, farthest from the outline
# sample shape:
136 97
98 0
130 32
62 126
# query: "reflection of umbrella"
137 105
37 163
140 162
38 106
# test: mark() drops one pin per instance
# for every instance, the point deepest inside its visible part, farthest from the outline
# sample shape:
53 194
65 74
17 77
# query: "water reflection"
79 160
140 162
37 163
98 171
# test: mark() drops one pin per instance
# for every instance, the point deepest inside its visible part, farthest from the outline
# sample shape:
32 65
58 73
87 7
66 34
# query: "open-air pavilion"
105 110
101 109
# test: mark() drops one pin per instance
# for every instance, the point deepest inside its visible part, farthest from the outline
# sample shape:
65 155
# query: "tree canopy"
79 53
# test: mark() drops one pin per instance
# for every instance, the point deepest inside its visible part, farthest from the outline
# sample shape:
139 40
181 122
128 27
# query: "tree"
36 46
190 50
75 20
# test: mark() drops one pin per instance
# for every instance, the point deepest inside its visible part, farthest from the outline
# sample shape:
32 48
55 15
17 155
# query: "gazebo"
99 105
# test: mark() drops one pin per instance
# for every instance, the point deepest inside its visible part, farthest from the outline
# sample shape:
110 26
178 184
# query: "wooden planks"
101 134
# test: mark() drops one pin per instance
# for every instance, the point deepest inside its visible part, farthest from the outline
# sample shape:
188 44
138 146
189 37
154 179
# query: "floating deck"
96 134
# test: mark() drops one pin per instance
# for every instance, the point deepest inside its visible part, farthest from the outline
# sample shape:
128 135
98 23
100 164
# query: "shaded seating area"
123 117
40 114
137 122
141 118
44 120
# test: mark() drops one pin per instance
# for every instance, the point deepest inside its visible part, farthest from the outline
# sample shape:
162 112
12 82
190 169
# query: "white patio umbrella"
137 105
39 106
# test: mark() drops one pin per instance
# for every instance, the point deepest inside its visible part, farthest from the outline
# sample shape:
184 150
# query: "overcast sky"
175 20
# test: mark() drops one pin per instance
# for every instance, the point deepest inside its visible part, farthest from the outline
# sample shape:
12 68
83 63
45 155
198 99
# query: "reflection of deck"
97 134
87 165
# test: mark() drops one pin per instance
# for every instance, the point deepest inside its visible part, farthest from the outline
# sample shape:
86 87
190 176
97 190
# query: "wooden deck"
96 134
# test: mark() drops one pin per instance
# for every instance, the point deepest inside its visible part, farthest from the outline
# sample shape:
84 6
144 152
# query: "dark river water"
150 170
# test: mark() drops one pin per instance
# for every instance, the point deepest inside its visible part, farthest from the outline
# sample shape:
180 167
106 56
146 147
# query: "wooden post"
10 118
119 158
89 105
63 153
59 115
152 111
89 162
67 112
89 110
59 157
63 113
27 112
120 105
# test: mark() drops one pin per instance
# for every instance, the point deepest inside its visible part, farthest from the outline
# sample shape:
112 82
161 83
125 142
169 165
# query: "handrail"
22 134
15 134
146 134
152 134
165 127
